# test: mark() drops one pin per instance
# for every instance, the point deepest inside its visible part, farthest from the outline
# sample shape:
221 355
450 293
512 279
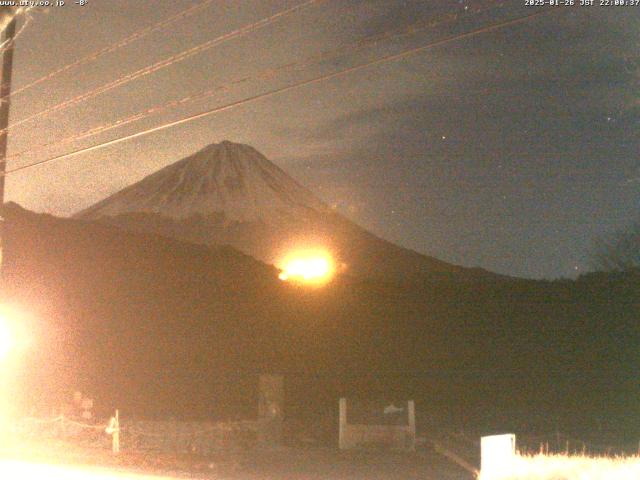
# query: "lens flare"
308 266
13 338
15 469
6 341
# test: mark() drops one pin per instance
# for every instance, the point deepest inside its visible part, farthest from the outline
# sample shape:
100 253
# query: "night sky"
510 150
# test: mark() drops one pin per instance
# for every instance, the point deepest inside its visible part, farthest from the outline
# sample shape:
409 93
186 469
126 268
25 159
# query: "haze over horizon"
511 150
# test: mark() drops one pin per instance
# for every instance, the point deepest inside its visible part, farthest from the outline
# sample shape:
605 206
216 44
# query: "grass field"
567 467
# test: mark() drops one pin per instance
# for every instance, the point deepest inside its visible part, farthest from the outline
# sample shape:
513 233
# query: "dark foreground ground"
286 463
332 464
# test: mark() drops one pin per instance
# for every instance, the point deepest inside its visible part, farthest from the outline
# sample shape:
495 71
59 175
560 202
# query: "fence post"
343 424
116 434
62 431
411 412
113 429
270 410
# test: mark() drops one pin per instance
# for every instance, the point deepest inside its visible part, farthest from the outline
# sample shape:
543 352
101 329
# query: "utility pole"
5 101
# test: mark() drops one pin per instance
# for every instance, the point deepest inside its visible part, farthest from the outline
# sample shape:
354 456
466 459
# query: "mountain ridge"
229 193
160 328
226 177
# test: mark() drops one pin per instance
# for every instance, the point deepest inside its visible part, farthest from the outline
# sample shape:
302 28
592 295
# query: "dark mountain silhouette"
155 326
229 193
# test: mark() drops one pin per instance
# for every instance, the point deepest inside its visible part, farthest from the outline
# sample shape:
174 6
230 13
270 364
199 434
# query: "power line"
115 46
373 39
163 63
229 106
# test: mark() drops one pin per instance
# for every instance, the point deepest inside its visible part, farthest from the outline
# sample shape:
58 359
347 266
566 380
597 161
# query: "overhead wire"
137 35
315 80
162 63
268 73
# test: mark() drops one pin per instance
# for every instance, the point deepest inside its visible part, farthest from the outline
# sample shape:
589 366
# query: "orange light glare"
12 332
7 336
14 469
310 266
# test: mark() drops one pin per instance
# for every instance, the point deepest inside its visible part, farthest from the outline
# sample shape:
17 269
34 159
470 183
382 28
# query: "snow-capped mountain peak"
224 178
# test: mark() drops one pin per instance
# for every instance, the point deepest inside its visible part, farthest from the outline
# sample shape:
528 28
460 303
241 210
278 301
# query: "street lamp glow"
12 332
7 337
19 469
12 342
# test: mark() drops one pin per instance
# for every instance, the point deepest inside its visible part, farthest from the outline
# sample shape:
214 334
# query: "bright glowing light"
309 266
498 452
13 469
553 467
12 342
12 335
501 461
6 340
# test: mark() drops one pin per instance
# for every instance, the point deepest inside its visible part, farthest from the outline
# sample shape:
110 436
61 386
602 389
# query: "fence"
189 437
137 435
63 428
165 435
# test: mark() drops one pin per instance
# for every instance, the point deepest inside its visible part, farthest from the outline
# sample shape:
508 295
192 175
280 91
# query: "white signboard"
497 453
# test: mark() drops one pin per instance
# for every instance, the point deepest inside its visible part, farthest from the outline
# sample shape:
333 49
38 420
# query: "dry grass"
567 467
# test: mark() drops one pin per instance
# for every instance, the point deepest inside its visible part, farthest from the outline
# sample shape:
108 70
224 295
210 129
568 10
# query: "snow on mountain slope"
225 178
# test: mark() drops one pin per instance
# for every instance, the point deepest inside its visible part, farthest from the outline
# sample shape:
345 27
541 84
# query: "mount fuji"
229 179
229 193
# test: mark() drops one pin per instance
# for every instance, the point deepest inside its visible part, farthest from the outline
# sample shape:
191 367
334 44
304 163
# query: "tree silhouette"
620 252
